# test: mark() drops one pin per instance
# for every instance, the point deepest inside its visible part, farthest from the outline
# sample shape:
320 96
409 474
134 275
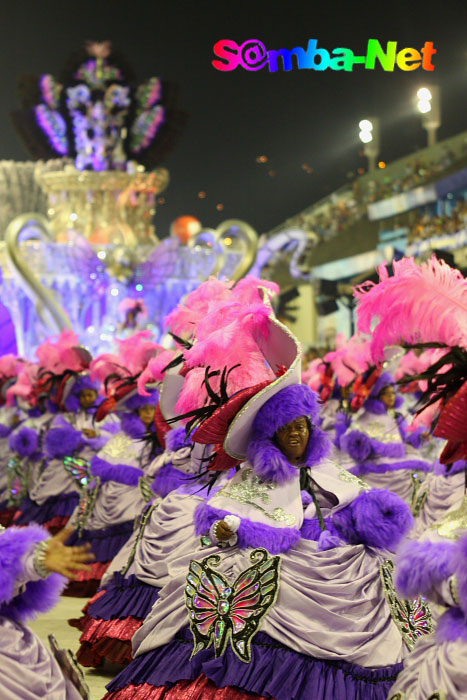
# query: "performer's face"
87 398
146 413
388 396
293 438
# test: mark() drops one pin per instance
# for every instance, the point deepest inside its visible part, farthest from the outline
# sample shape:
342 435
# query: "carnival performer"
377 445
33 572
116 494
54 487
436 565
11 416
292 543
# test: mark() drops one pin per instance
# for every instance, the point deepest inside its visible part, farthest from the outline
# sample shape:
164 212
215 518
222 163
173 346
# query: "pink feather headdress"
424 303
425 306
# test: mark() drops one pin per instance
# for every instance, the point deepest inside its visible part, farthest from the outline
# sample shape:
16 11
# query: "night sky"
294 118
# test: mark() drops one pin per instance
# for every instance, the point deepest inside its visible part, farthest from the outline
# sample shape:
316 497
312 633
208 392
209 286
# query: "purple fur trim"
136 400
341 426
287 405
442 469
24 441
382 382
460 564
96 443
311 529
122 473
384 467
5 430
38 596
176 439
271 464
132 425
451 626
388 449
35 412
112 427
421 566
60 442
327 541
357 445
376 518
375 406
250 534
415 439
168 479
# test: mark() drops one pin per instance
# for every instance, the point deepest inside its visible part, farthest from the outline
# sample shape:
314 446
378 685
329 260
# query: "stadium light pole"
369 136
429 106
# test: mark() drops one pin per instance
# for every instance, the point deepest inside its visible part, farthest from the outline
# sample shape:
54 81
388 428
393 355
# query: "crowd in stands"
351 201
426 226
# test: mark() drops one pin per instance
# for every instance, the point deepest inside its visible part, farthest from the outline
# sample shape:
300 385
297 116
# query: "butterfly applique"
86 504
79 470
412 617
219 610
17 482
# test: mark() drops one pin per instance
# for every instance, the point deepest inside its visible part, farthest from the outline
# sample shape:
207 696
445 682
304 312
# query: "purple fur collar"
271 464
132 425
250 534
176 439
383 467
38 596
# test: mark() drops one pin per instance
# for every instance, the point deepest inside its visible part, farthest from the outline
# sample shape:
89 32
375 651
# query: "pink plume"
154 371
9 366
247 290
426 303
312 374
184 319
136 351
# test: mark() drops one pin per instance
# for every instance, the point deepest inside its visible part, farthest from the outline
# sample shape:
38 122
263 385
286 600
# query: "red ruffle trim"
108 640
7 516
123 629
87 582
200 689
56 524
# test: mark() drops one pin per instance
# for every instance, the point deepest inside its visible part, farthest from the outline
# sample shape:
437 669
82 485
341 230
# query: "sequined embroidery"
376 431
118 446
350 478
253 487
219 611
140 524
86 505
419 497
412 617
454 524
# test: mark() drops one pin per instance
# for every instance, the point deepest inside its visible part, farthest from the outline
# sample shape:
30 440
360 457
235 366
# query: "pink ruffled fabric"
116 629
200 689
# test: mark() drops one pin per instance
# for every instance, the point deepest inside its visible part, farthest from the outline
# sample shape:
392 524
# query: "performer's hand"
223 531
89 433
64 560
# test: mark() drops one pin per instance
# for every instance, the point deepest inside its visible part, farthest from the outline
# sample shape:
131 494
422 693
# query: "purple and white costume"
28 671
325 620
436 567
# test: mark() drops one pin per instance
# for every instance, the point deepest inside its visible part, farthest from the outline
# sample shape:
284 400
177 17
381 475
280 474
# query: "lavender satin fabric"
169 534
274 671
431 667
54 480
443 492
398 481
331 604
28 670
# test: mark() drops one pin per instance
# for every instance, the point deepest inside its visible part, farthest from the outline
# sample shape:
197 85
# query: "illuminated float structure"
81 237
